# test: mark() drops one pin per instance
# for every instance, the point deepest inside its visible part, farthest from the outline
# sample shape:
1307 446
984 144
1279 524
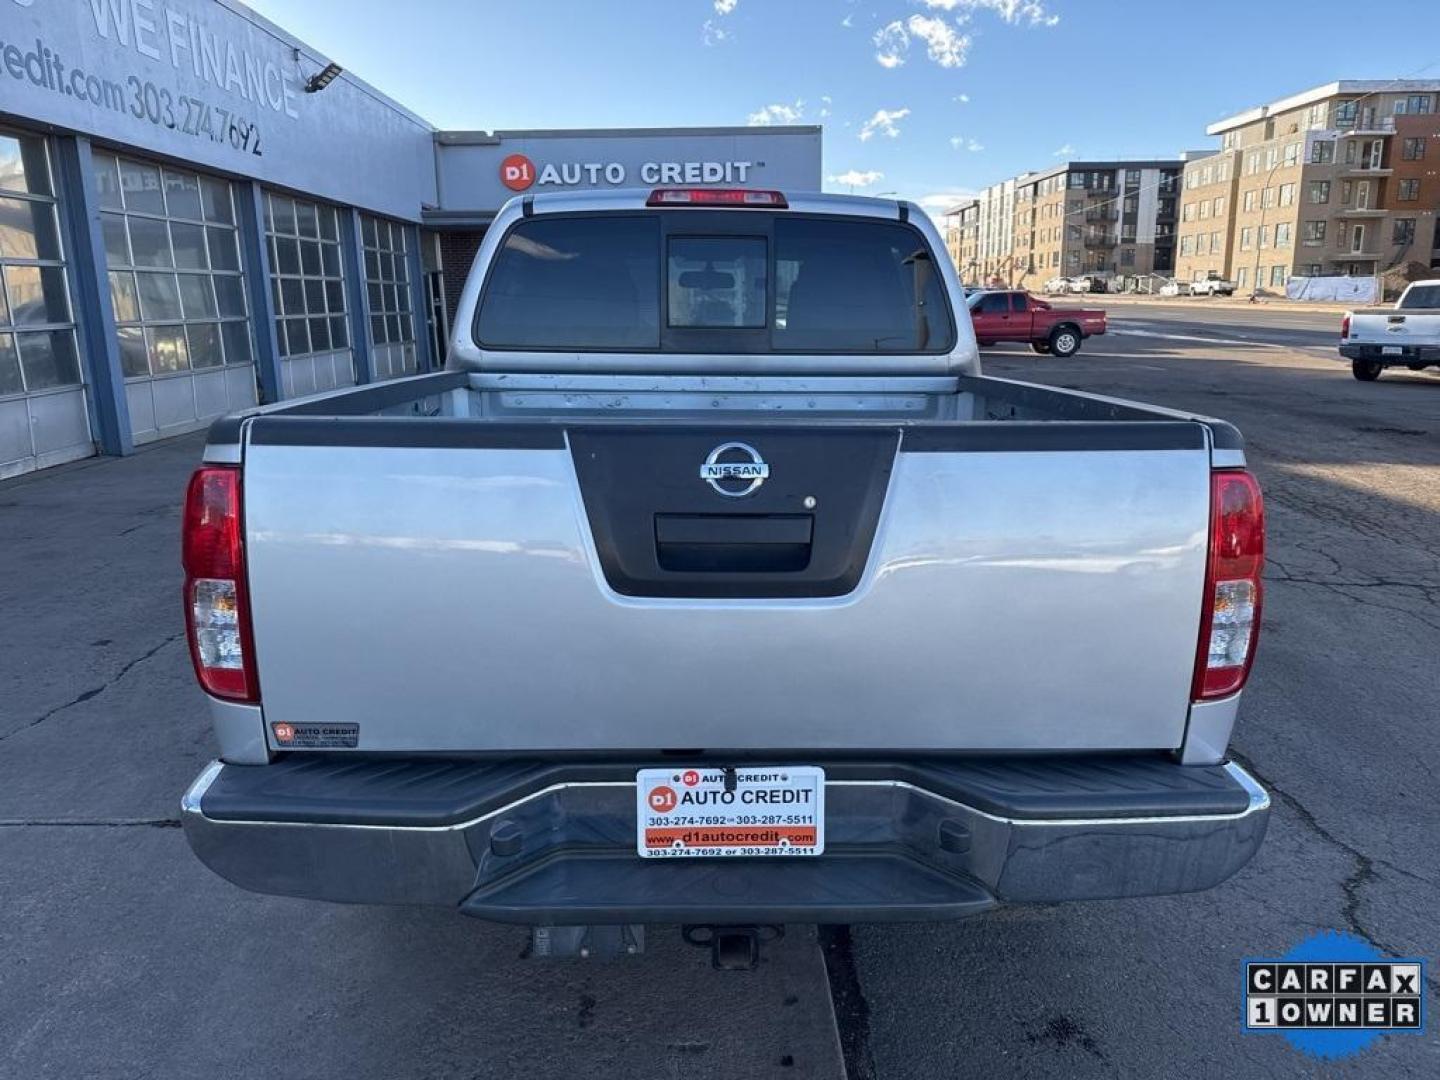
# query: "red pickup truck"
1015 315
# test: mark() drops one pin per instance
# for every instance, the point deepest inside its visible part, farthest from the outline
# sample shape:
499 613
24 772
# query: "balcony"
1102 213
1100 238
1363 169
1381 126
1361 212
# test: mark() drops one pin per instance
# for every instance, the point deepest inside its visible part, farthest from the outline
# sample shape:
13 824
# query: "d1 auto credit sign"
519 173
771 810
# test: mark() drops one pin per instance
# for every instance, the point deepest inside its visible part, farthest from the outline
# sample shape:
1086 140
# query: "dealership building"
199 212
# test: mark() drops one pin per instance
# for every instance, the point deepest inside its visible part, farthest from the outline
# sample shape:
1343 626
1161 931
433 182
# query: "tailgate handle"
733 543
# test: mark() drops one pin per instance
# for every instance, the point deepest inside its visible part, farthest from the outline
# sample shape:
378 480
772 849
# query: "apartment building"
1110 217
1310 184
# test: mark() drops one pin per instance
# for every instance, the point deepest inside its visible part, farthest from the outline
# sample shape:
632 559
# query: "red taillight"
1345 327
1230 619
731 197
217 607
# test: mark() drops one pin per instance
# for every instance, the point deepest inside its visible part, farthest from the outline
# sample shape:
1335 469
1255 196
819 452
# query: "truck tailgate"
464 586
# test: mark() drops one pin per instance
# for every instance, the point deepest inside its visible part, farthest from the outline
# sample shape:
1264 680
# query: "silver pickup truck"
713 583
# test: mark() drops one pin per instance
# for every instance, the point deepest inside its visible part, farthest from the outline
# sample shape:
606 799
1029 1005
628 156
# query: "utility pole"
1255 283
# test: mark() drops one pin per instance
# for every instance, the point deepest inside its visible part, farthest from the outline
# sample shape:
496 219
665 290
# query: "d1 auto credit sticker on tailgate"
770 810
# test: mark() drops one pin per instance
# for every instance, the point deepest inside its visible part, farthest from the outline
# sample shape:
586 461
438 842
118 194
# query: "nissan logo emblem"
735 463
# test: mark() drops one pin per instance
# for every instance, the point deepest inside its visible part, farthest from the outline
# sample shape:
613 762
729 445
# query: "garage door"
43 417
387 279
173 254
307 275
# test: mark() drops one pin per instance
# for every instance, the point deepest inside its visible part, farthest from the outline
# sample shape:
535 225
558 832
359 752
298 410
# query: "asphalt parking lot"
121 956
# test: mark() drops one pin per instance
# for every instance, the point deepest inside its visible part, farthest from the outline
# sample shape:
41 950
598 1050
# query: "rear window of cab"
782 283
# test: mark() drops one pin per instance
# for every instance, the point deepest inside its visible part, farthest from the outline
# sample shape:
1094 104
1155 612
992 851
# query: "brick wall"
457 252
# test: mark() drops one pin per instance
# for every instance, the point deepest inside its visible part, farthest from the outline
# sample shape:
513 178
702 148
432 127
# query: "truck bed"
482 563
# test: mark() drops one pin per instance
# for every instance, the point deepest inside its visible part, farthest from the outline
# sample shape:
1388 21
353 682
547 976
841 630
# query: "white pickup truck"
1212 285
1408 334
712 583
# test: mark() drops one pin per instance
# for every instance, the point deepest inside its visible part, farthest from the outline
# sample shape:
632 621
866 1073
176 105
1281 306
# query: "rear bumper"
550 844
1409 354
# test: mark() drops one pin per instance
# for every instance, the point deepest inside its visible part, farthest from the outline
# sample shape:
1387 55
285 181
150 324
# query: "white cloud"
943 44
725 7
963 99
768 115
937 202
848 21
856 178
959 142
1064 151
1030 12
712 33
824 106
884 122
891 44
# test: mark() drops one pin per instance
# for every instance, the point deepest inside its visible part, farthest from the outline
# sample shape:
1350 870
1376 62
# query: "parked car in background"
1375 338
705 657
1056 286
1015 315
1213 285
1175 287
1089 283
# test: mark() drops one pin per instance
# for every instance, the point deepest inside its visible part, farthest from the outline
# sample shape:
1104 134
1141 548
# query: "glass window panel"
123 298
237 342
339 332
310 256
224 254
391 303
314 297
107 181
287 255
377 329
377 296
37 295
216 196
168 351
189 245
4 310
372 265
394 325
117 246
196 297
205 345
329 225
403 295
298 338
330 260
320 334
334 296
306 220
268 202
292 295
149 242
10 380
282 207
134 361
182 194
280 337
230 296
27 230
23 165
48 359
159 296
387 267
367 230
141 185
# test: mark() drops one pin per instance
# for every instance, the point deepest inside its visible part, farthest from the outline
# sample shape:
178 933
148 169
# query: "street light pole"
1255 283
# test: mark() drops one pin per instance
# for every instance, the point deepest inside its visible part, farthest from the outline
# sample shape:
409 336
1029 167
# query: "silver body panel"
451 600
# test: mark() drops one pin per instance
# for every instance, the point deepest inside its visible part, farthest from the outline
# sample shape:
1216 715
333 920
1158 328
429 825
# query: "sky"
927 99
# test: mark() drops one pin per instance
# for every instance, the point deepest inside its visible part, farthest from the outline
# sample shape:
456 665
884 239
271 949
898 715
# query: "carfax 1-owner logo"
1334 995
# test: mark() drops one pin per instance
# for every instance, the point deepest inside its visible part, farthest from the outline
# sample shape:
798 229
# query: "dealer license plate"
695 812
1390 350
